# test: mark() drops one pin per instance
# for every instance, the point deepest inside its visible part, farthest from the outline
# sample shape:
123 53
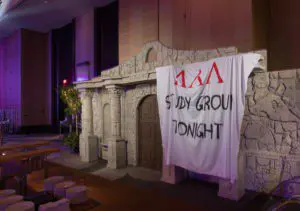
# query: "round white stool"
50 183
50 206
77 194
7 192
60 188
5 202
60 205
21 206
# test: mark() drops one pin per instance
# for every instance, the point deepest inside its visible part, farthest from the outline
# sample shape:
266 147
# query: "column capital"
85 93
96 93
114 89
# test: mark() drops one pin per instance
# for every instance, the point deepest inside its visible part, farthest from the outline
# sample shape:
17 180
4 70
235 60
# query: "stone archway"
149 135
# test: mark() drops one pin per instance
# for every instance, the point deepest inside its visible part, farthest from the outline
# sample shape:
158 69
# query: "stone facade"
270 142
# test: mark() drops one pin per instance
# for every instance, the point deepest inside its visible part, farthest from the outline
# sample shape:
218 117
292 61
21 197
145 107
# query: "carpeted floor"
126 191
133 194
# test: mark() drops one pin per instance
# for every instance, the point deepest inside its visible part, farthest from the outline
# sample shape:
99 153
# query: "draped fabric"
201 107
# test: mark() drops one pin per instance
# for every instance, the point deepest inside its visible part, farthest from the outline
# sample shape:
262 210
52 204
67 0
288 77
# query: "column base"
117 154
88 148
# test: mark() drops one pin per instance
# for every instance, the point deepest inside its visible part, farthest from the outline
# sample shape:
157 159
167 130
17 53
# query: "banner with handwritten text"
201 107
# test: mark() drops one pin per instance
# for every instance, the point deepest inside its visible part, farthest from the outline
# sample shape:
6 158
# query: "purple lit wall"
24 77
85 44
10 69
1 76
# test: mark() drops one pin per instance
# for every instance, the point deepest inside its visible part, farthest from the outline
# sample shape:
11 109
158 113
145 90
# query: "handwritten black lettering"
183 102
188 102
182 128
168 102
206 130
207 103
197 130
218 129
229 102
199 105
215 102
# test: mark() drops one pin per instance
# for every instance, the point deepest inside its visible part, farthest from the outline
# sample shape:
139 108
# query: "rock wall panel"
270 131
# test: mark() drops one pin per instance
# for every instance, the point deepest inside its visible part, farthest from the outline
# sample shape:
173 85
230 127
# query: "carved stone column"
96 105
115 108
116 146
87 141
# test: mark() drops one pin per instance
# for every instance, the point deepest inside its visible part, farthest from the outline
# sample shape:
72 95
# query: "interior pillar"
116 145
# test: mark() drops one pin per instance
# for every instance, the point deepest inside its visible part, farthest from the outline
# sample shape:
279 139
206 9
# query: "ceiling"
44 15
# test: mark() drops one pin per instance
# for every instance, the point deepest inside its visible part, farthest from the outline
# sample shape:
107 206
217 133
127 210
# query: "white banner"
201 108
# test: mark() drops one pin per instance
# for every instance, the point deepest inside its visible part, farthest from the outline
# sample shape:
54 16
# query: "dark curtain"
106 37
63 66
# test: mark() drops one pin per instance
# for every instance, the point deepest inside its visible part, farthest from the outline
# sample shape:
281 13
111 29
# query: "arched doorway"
149 135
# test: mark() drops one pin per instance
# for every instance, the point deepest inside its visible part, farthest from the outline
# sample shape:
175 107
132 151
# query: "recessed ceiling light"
45 1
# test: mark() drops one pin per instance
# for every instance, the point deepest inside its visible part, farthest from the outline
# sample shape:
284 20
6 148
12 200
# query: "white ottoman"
21 206
50 183
61 205
77 194
5 202
60 188
7 192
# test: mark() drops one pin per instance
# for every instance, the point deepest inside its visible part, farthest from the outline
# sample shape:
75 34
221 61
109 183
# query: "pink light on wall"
83 71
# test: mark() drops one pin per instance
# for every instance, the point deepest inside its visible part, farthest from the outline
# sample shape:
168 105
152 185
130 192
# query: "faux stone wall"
270 131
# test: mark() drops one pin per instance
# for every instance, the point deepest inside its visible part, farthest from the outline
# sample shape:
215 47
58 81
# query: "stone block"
280 89
185 56
250 162
255 130
82 147
212 54
298 74
92 148
228 51
262 52
289 126
251 144
274 83
278 127
88 148
200 56
290 84
297 85
287 74
273 75
249 87
278 141
261 80
117 155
